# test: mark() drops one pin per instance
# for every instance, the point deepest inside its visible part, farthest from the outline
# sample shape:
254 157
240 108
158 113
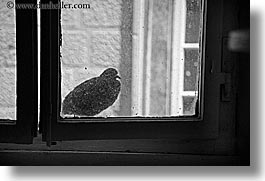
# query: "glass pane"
98 73
94 40
191 69
189 104
7 62
193 13
159 58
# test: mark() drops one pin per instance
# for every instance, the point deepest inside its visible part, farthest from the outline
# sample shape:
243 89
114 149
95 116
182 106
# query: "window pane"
94 40
193 20
7 63
189 104
191 69
159 59
97 45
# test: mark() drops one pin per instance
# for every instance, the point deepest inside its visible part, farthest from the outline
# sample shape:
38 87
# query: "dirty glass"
191 67
193 15
97 69
189 104
7 62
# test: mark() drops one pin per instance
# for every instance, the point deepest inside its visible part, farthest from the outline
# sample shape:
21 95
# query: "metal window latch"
228 61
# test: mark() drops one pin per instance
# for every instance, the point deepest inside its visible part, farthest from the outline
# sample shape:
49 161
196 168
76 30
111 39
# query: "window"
162 66
134 44
8 65
166 74
182 91
18 103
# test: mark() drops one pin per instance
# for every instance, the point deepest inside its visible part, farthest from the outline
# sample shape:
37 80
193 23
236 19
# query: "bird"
93 96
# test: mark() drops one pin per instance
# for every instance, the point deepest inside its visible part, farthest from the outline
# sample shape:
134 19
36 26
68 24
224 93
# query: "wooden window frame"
24 128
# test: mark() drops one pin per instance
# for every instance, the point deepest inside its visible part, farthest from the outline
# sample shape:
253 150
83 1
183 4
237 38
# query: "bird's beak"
118 77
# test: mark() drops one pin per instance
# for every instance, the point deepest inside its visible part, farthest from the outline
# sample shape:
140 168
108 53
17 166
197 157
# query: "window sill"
118 152
26 157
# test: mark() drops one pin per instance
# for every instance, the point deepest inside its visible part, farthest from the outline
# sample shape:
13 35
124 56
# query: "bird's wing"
87 86
91 97
78 91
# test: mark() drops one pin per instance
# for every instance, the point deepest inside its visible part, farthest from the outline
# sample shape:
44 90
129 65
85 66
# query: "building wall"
95 39
7 62
160 57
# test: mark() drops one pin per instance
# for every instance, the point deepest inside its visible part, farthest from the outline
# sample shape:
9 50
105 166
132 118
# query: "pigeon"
93 96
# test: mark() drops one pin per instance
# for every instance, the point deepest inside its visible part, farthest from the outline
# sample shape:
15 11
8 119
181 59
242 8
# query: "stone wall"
161 30
95 39
7 62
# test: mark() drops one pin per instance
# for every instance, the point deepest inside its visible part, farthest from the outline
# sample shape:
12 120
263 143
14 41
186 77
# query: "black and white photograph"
125 83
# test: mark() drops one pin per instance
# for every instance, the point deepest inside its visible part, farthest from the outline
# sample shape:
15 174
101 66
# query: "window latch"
225 83
226 88
228 59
